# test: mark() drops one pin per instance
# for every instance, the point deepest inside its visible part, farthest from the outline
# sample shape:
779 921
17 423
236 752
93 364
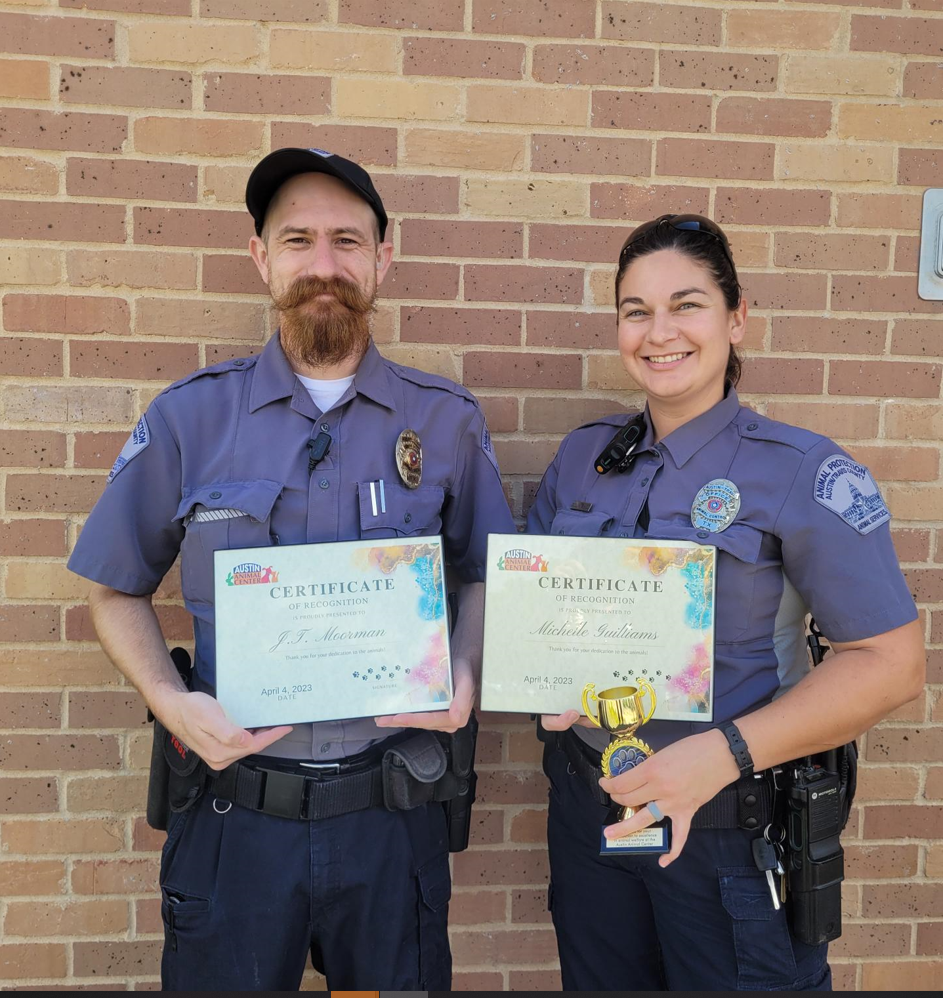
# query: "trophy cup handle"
589 690
644 687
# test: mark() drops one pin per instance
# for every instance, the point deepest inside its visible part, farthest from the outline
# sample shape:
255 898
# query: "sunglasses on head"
684 223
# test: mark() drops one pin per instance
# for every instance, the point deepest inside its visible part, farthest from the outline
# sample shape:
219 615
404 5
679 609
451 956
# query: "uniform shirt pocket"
222 516
738 550
572 523
400 512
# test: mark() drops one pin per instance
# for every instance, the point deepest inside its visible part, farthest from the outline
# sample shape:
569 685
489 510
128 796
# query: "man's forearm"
130 635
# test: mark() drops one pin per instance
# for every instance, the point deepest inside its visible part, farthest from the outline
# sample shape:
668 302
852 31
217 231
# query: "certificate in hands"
564 611
323 632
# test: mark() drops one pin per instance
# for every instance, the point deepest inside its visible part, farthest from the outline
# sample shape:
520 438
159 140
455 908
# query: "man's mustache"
307 289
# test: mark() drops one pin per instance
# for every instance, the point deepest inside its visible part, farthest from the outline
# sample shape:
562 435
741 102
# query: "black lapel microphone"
317 450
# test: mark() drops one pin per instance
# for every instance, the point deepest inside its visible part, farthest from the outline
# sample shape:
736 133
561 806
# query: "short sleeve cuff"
112 576
867 625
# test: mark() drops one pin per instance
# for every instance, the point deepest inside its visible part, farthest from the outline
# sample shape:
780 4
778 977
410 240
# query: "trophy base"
652 841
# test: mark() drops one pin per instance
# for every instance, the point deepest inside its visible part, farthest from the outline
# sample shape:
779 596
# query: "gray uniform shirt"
220 460
812 534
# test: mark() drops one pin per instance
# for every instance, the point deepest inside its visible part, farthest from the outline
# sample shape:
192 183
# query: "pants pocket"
177 823
435 891
189 865
765 958
184 917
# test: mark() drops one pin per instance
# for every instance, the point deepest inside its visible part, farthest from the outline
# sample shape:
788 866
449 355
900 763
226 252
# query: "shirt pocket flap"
253 498
573 523
739 539
405 511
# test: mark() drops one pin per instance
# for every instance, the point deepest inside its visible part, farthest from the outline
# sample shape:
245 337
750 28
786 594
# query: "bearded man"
291 843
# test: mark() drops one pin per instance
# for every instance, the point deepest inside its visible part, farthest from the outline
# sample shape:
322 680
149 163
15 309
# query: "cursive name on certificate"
581 630
305 635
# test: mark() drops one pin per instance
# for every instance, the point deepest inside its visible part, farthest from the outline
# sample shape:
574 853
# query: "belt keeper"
283 794
750 802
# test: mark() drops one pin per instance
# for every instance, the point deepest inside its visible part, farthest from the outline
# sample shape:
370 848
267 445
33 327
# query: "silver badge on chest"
716 505
409 458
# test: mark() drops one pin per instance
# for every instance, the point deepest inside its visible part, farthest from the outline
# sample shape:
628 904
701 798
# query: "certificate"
322 632
561 612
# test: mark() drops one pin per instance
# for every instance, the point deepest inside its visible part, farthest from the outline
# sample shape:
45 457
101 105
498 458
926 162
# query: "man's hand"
449 720
561 722
202 725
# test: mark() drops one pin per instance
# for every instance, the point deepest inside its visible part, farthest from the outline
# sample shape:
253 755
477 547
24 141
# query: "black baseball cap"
283 164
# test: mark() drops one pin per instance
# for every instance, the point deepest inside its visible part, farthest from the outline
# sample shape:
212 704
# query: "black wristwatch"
739 748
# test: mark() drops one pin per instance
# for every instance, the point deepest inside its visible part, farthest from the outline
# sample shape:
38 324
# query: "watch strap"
738 748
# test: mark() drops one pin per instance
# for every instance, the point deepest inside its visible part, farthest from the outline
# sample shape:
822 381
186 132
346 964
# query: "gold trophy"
621 713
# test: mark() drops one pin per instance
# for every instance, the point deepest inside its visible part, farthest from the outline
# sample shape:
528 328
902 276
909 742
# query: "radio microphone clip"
619 453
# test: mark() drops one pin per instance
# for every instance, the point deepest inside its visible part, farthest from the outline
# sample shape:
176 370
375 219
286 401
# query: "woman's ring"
656 811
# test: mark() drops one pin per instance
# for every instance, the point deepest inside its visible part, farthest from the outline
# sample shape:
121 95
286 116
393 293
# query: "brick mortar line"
332 23
904 60
576 308
717 94
838 187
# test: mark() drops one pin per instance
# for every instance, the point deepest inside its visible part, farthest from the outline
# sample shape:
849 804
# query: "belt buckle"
323 768
283 794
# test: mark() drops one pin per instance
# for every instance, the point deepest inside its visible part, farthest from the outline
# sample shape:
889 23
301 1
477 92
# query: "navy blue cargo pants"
247 896
706 923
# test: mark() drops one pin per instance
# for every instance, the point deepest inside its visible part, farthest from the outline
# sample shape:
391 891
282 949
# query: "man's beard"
323 333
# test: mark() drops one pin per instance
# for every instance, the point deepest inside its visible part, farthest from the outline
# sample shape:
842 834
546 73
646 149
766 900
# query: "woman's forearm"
846 695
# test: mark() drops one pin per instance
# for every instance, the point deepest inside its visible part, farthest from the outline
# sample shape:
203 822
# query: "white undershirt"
325 393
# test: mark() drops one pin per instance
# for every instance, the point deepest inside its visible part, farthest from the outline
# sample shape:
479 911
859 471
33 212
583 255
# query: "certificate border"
364 544
511 541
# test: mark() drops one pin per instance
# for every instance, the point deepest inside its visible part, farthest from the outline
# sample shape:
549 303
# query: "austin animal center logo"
521 560
250 574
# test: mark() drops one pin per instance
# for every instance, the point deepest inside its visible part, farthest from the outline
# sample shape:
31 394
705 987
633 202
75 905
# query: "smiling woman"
799 526
681 310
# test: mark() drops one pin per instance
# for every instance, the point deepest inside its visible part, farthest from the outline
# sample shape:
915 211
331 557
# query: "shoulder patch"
224 367
487 446
849 490
426 380
138 441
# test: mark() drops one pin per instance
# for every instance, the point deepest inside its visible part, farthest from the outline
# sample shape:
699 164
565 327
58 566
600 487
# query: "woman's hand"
679 779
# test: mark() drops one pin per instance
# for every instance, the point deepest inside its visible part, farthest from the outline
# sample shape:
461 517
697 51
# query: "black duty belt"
311 792
402 772
748 803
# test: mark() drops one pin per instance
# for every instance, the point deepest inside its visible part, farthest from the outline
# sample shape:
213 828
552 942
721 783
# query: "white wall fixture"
930 280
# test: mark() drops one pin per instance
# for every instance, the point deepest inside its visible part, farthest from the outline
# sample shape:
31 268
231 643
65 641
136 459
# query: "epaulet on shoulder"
754 426
615 419
224 367
427 380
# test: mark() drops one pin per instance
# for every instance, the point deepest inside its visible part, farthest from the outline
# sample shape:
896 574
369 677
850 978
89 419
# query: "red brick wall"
514 143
